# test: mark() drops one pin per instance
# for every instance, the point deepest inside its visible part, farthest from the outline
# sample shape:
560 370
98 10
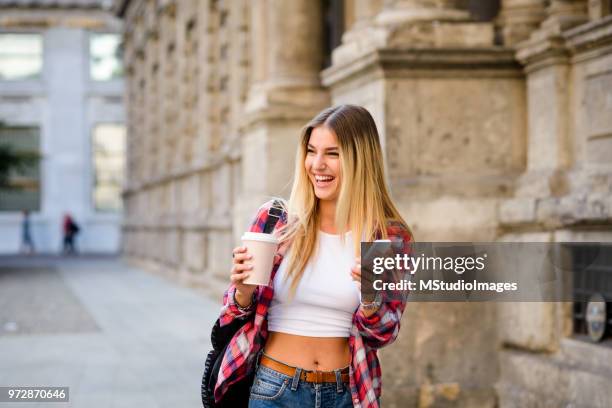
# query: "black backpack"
74 227
237 395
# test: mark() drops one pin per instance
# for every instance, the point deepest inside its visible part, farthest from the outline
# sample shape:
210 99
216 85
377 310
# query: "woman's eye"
309 151
335 154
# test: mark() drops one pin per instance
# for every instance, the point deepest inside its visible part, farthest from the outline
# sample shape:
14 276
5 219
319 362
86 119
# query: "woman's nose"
319 162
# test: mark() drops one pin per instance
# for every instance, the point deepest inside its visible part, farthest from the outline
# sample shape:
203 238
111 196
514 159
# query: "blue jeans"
273 389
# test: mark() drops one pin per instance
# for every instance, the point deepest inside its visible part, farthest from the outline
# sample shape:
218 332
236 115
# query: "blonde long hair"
364 205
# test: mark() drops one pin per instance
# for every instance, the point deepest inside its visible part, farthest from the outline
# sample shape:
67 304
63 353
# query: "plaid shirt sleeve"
249 339
230 310
382 327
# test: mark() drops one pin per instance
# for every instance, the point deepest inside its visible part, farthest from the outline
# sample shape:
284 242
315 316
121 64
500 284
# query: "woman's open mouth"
323 181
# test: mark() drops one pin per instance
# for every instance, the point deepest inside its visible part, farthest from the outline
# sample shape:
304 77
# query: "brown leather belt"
308 376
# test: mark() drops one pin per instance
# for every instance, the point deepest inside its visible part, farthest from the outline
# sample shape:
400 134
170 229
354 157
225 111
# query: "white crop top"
326 297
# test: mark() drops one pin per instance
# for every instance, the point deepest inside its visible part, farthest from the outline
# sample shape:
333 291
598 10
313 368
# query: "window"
108 162
22 188
21 56
105 57
592 265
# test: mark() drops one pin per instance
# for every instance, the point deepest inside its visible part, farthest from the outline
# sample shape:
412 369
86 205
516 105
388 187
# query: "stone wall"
187 65
564 194
492 130
214 114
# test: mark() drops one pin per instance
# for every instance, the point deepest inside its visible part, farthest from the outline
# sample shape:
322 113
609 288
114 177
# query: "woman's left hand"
356 275
356 272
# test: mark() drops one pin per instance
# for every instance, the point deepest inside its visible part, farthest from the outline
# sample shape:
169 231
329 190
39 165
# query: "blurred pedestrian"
71 229
27 244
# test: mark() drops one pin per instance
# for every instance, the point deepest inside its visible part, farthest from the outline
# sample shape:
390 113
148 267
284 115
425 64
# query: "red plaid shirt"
367 334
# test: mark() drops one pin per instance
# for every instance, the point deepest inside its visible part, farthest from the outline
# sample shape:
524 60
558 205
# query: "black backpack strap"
274 214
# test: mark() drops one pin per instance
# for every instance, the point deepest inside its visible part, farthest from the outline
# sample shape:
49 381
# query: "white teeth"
323 178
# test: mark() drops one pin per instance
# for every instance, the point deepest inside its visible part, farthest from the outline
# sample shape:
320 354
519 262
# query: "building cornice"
587 36
57 4
431 62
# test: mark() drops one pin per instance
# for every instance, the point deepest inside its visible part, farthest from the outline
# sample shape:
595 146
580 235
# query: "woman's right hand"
241 271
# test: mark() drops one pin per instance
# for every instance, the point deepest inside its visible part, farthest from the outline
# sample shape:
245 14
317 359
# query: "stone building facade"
61 96
495 123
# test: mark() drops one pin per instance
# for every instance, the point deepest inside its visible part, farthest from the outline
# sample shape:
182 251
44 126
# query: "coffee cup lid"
259 236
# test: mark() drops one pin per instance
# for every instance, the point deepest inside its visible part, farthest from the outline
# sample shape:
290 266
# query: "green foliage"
12 161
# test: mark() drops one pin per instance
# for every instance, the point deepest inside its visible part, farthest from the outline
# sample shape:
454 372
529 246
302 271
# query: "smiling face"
323 163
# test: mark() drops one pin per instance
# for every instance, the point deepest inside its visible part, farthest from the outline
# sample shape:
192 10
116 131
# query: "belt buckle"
318 376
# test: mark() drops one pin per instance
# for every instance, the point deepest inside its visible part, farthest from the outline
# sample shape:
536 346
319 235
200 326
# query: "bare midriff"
309 353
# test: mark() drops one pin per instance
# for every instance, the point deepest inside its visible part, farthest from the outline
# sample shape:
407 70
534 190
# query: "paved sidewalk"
117 336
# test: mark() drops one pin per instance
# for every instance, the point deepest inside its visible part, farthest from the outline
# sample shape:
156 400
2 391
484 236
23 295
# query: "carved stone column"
286 44
286 56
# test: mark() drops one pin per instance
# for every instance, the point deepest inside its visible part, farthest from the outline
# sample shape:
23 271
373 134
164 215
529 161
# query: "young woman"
313 341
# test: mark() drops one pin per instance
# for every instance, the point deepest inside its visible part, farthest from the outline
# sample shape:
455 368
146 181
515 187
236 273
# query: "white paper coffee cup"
263 248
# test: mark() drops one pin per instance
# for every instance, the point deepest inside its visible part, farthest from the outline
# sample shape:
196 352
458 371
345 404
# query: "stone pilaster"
411 65
404 70
550 131
286 55
187 43
169 103
151 87
550 155
565 149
